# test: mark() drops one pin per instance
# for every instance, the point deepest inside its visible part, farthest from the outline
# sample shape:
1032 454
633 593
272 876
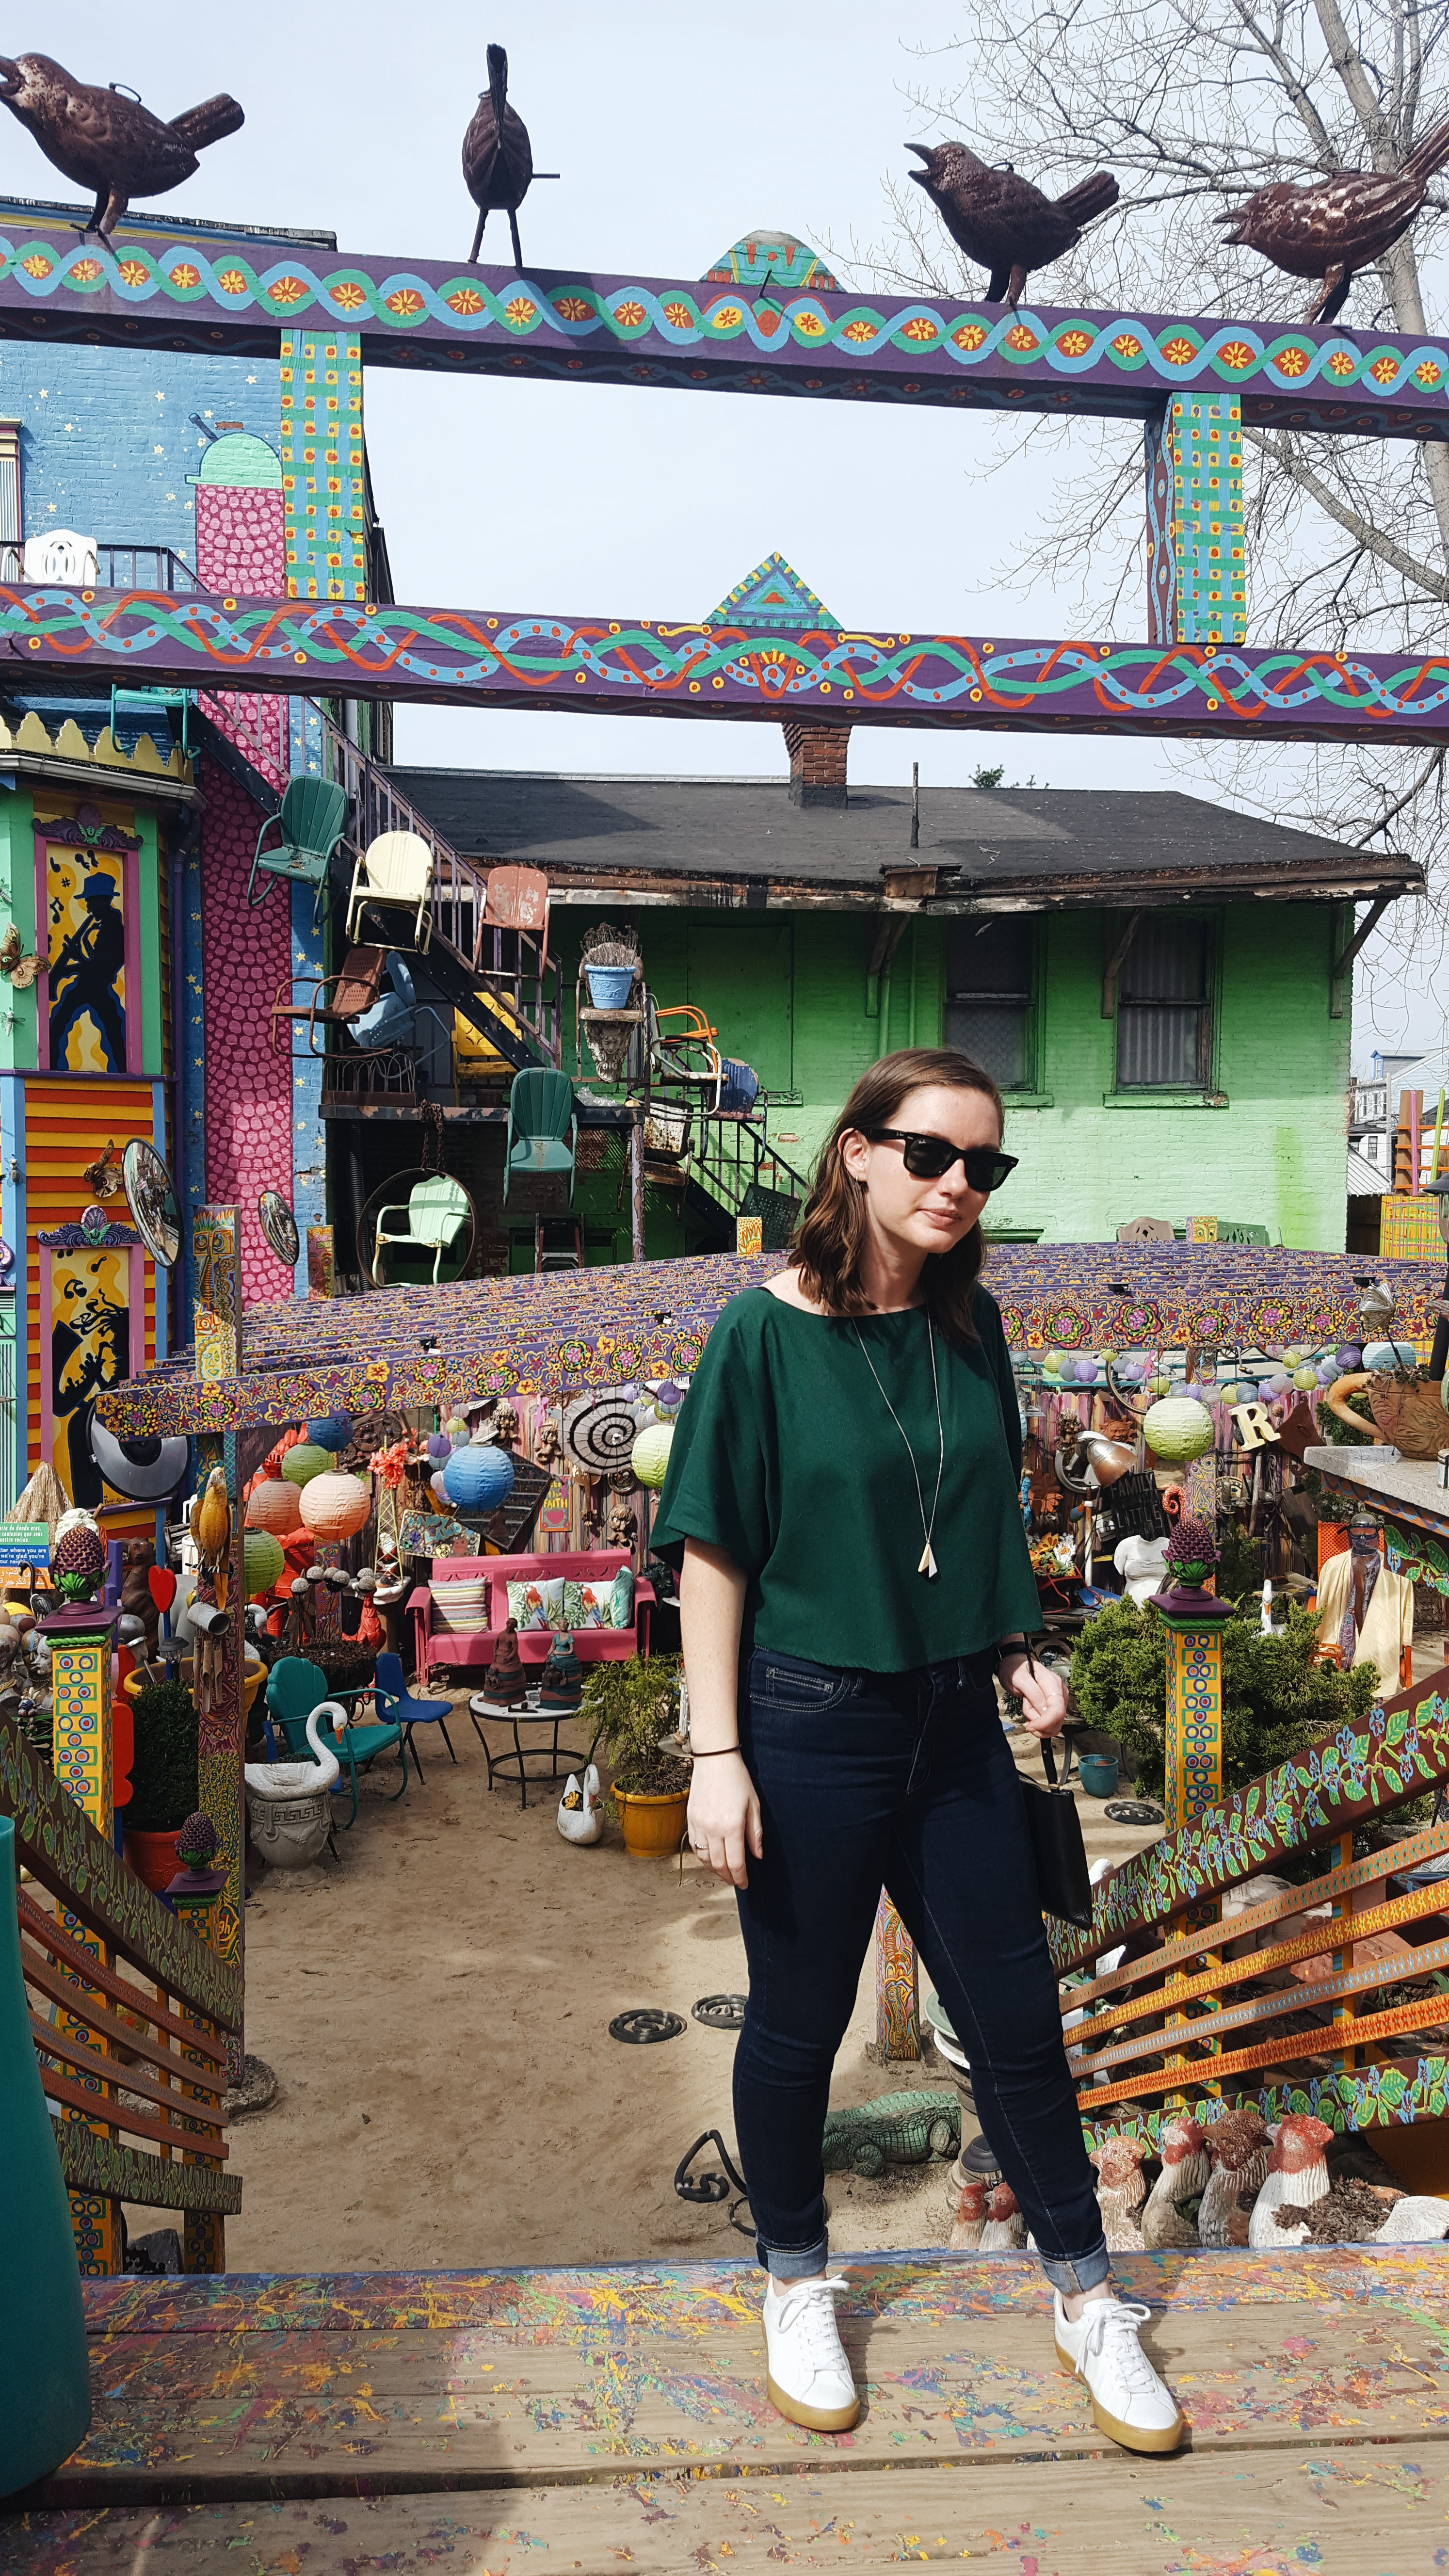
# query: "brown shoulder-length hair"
831 1233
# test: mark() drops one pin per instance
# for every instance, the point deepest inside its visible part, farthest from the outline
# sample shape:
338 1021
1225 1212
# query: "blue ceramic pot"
609 986
1099 1774
45 2383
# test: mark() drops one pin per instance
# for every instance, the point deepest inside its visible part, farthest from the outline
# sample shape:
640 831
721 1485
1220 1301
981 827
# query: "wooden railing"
1196 2014
120 2059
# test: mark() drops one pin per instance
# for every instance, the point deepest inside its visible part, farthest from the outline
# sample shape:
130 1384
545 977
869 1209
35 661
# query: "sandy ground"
436 2007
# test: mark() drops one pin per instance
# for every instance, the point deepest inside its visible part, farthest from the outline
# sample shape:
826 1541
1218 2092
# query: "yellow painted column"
80 1673
1193 1726
897 2002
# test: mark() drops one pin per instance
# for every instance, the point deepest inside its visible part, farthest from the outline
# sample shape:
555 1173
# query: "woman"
842 1501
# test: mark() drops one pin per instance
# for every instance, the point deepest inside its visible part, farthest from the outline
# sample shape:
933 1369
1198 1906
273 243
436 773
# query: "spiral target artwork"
599 1431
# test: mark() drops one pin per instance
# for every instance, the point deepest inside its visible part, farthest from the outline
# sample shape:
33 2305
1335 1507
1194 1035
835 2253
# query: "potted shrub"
629 1706
164 1790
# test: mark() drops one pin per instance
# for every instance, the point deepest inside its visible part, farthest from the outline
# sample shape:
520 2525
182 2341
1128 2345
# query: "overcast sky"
676 132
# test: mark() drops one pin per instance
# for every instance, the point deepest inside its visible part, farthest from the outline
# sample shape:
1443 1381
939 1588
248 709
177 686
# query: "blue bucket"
609 986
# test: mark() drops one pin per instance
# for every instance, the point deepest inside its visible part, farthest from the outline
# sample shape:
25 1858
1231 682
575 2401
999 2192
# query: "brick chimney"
818 756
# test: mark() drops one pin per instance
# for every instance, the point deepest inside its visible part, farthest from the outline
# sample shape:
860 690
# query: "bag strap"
1049 1762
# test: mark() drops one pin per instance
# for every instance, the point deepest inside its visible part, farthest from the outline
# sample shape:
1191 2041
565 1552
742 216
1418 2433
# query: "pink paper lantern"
334 1506
274 1505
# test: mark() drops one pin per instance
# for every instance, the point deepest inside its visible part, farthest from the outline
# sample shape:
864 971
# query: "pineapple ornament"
78 1556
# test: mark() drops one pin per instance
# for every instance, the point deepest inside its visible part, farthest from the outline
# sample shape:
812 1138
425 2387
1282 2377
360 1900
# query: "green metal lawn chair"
436 1212
540 1116
312 820
294 1688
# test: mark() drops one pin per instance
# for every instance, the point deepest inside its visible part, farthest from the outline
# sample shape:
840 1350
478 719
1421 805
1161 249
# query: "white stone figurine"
579 1816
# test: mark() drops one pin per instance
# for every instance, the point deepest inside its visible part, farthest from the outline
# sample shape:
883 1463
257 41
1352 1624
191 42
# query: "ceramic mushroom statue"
969 2222
1005 2228
1184 2175
1238 2147
1121 2191
1296 2177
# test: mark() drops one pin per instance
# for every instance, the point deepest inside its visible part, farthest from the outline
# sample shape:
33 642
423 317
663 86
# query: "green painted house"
1161 987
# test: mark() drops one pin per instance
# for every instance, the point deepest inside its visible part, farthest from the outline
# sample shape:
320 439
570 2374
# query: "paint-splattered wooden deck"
592 2418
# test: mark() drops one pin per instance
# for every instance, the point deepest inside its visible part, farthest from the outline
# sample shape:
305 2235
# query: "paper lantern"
1348 1356
332 1431
333 1505
649 1456
304 1462
1084 1371
1054 1363
456 1428
1178 1428
438 1445
478 1477
263 1563
1387 1355
272 1505
1305 1377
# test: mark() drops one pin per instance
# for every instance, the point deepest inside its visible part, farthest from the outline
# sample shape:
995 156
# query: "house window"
1164 1015
989 995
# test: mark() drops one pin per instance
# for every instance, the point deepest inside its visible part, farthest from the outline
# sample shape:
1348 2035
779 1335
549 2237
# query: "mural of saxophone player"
90 1350
87 976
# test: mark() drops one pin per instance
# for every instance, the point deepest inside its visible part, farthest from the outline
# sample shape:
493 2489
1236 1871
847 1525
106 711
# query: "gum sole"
1130 2438
816 2419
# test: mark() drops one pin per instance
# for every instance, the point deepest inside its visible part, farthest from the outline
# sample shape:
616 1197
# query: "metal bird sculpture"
105 140
1000 220
1337 225
497 154
104 1176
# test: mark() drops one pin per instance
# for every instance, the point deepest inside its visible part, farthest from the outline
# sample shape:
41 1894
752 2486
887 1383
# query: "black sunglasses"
928 1158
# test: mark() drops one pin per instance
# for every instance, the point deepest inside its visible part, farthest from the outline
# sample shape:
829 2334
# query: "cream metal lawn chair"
396 869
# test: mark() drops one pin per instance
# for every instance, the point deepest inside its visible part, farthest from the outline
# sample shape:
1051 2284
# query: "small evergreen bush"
1276 1699
164 1790
630 1705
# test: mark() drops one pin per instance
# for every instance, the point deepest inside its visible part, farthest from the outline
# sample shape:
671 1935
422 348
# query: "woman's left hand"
1042 1692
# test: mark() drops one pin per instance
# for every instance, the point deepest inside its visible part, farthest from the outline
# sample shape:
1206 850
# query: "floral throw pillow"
537 1604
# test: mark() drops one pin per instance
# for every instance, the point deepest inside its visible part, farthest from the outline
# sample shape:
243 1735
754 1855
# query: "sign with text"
24 1543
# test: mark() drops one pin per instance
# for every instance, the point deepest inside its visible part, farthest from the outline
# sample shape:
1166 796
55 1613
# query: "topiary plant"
164 1790
1276 1698
630 1705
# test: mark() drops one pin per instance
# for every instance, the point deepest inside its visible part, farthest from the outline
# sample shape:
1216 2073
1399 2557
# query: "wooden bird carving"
102 1177
1337 225
1003 222
104 140
497 154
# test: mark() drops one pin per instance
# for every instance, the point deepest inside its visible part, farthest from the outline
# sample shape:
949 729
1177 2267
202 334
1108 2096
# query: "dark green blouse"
786 1456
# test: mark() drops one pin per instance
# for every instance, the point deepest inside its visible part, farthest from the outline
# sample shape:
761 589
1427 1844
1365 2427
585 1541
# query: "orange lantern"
274 1505
334 1506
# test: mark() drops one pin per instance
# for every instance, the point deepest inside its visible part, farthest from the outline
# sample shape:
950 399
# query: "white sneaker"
808 2374
1129 2401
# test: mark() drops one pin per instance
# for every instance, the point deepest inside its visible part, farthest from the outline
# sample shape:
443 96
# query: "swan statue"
289 1802
579 1817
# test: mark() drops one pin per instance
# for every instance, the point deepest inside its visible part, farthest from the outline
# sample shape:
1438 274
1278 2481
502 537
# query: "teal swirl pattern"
441 654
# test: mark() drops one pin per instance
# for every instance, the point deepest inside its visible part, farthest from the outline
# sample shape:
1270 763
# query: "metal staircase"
500 979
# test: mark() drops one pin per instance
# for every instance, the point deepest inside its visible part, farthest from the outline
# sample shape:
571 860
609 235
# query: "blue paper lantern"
479 1477
332 1431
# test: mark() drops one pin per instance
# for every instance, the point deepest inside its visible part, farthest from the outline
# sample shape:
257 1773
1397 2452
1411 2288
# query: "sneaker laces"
810 2306
1115 2322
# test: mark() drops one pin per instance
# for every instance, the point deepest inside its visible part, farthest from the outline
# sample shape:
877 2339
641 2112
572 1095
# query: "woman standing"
842 1501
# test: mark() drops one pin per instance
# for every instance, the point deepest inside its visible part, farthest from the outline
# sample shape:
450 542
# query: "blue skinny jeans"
901 1780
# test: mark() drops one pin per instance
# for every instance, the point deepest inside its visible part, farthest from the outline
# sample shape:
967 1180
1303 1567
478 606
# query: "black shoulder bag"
1063 1879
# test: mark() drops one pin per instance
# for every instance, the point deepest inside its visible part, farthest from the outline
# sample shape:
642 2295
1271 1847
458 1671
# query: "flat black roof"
597 829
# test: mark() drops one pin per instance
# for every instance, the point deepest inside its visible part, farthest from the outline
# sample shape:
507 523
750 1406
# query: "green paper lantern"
649 1456
1305 1379
263 1563
1178 1427
304 1462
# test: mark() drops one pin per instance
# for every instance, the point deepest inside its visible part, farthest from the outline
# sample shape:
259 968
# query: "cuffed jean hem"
1067 2272
798 2262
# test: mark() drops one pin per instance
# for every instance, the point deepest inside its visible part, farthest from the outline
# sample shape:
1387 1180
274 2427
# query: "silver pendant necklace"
928 1565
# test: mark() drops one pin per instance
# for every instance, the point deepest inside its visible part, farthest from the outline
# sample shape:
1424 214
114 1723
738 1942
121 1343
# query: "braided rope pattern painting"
474 656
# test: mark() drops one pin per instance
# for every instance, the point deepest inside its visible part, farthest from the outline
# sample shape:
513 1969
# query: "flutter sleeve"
720 1484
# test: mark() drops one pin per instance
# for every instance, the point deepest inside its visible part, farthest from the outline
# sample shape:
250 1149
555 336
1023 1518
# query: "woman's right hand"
724 1817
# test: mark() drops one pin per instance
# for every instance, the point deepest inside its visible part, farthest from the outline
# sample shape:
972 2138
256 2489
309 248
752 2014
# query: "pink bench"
438 1645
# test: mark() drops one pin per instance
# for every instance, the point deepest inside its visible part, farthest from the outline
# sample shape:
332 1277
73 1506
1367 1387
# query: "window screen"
1163 1034
989 995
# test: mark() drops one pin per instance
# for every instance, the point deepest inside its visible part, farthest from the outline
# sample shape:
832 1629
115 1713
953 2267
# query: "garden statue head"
1192 1552
1363 1535
880 1179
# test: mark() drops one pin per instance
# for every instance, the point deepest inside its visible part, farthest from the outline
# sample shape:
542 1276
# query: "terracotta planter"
653 1826
153 1857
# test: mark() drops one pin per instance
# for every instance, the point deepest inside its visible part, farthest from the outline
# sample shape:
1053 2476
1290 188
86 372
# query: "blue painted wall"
107 441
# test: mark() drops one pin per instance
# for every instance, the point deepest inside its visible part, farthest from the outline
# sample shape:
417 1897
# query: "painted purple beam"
610 666
172 293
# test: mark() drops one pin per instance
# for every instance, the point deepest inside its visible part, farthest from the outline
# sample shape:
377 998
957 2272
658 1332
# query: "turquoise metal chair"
312 820
294 1688
436 1212
151 712
541 1116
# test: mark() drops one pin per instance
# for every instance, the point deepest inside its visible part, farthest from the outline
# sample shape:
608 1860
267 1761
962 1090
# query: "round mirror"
152 1201
280 1227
